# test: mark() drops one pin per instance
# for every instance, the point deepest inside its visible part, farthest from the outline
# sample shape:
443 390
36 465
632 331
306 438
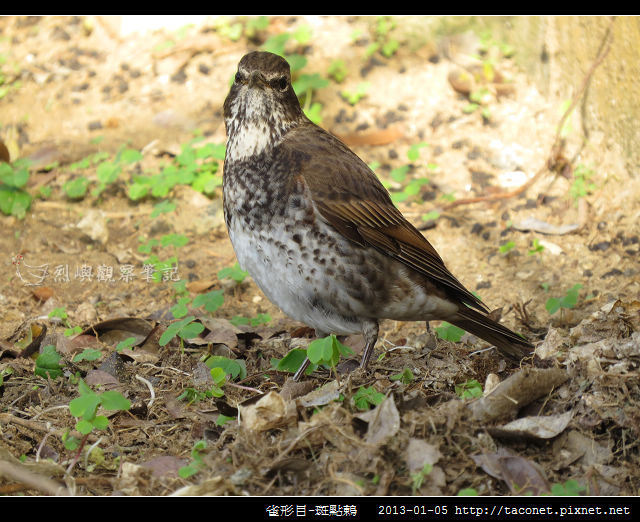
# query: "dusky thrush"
318 232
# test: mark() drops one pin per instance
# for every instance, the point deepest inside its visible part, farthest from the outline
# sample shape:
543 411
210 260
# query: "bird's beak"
256 79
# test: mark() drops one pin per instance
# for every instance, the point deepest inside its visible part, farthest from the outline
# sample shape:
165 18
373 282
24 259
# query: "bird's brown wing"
350 197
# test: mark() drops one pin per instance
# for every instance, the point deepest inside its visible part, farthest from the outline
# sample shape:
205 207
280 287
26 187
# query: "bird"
318 232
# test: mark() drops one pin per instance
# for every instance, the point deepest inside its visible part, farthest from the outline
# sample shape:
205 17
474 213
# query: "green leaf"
468 492
108 172
302 34
234 272
113 400
309 81
469 390
47 363
180 309
291 362
163 207
399 173
218 375
234 368
414 151
176 240
76 188
507 247
14 202
276 44
406 376
85 406
88 354
126 344
211 300
84 426
191 330
337 70
223 419
100 422
449 332
364 398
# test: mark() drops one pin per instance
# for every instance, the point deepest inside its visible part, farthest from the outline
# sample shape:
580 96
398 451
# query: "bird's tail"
508 342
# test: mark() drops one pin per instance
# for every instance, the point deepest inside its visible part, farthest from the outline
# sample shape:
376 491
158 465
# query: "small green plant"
469 390
366 397
211 300
413 154
86 406
61 314
292 361
449 332
186 328
431 216
5 372
126 344
258 320
536 247
354 97
327 351
569 300
571 488
88 354
48 363
468 492
581 185
163 207
417 478
235 368
406 377
196 463
507 247
383 41
14 200
337 70
233 272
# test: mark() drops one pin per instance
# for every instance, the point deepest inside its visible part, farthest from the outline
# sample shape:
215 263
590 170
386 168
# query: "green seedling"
258 320
61 314
365 397
314 113
468 492
354 97
48 363
86 406
233 272
567 301
507 247
406 377
581 186
175 240
181 308
469 390
5 372
235 368
211 300
536 247
126 344
449 332
14 200
88 354
571 488
413 154
184 329
292 361
163 207
417 478
431 216
327 351
337 70
196 463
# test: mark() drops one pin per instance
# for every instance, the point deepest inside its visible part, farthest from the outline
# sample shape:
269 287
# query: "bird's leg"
302 369
306 362
370 333
428 327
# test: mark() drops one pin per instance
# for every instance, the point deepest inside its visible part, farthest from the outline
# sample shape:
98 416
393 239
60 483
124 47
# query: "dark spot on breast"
297 238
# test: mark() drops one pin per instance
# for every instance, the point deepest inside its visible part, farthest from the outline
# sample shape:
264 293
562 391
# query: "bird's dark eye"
279 83
239 77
